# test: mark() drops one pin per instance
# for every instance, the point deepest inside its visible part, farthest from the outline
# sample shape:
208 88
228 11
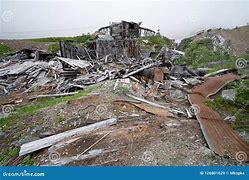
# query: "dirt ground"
21 44
138 139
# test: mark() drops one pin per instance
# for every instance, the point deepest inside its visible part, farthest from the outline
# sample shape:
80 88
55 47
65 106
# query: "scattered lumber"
138 70
150 109
48 141
154 110
156 105
75 62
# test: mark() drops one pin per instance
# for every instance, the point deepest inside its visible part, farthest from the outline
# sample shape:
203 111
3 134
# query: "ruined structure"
118 40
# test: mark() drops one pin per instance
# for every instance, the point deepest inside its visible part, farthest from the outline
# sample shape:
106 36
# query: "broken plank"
156 105
138 70
48 141
75 62
216 72
150 109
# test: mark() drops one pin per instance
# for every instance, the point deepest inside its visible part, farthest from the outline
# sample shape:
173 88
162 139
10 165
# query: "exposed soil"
139 138
22 44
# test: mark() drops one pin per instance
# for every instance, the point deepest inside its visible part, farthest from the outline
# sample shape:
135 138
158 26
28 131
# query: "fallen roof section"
75 62
212 85
220 137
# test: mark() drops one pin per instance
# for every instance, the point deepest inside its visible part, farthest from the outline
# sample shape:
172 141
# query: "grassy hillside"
203 48
238 38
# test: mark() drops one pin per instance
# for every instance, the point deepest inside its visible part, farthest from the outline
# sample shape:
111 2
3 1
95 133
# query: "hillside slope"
237 38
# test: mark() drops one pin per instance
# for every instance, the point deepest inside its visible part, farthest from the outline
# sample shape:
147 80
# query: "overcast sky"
175 19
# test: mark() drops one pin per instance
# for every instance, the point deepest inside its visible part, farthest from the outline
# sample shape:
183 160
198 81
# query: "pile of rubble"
35 72
31 73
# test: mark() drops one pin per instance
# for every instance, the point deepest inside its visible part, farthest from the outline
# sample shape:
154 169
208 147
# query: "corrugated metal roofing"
212 85
221 138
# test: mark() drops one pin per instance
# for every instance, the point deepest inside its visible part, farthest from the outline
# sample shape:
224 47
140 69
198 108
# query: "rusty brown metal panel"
214 84
158 74
221 138
203 110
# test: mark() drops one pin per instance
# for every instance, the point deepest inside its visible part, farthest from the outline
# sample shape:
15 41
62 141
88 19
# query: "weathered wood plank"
48 141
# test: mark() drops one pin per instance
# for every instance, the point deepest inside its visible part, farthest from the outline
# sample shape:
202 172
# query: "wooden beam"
156 105
48 141
138 70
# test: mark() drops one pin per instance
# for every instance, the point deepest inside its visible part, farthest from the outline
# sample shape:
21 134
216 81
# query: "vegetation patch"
27 161
8 153
239 108
29 110
54 48
156 41
4 49
83 39
184 44
201 52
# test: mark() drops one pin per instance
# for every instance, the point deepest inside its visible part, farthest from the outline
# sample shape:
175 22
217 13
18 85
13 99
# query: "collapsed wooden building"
118 40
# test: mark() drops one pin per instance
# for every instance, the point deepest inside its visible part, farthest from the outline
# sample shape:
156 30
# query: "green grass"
4 50
8 153
157 41
84 38
239 108
200 53
12 121
184 44
27 161
59 119
29 110
54 48
13 152
83 41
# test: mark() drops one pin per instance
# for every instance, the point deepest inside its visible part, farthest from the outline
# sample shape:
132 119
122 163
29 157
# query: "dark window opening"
132 26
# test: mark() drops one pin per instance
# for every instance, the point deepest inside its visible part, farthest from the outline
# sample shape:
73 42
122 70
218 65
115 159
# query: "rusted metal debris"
213 85
220 137
30 73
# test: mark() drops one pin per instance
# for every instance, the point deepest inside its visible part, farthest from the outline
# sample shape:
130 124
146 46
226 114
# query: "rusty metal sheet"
212 85
203 111
220 137
158 74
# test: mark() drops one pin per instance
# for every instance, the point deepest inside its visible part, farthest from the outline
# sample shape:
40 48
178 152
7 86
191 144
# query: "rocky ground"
139 138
